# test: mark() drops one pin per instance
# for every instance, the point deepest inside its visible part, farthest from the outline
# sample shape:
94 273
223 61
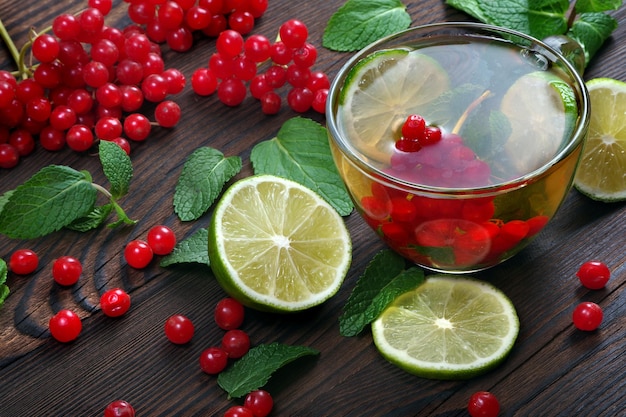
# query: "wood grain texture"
553 370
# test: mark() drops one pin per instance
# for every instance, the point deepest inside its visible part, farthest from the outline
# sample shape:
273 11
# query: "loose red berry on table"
236 343
179 329
23 262
119 408
65 326
213 360
66 270
161 239
238 411
483 404
594 274
229 314
587 316
260 402
138 254
115 302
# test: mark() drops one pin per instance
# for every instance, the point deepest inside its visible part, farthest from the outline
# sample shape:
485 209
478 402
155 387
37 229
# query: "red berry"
115 302
593 274
238 411
45 48
293 33
258 48
138 254
587 316
79 138
137 127
270 102
66 270
483 404
213 360
161 239
236 343
260 402
9 156
179 329
229 43
65 326
203 82
119 408
300 99
413 128
231 91
229 314
23 262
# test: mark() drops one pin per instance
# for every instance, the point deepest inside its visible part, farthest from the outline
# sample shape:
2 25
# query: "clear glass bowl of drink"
457 142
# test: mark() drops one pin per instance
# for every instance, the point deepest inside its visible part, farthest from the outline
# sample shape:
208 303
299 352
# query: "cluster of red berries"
90 84
417 134
234 68
174 22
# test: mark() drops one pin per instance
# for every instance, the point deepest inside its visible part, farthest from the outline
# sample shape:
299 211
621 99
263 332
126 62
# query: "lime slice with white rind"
379 93
601 172
542 111
276 245
447 328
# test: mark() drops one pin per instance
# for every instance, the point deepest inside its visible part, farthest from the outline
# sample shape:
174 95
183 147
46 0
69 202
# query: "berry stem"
121 214
470 108
15 53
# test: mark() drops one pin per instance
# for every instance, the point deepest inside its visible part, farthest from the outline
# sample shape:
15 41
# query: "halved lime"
381 90
447 328
601 173
276 245
542 111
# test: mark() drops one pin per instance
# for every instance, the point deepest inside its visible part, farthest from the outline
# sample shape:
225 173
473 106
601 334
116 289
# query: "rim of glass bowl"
582 123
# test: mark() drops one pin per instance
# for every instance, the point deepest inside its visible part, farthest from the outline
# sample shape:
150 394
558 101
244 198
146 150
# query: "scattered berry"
115 302
161 239
119 408
65 326
229 314
138 254
179 329
23 262
593 275
483 404
66 270
236 343
213 360
238 411
587 316
260 402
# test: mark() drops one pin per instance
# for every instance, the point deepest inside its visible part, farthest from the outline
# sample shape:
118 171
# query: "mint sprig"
256 367
384 279
204 174
358 23
300 152
4 289
190 250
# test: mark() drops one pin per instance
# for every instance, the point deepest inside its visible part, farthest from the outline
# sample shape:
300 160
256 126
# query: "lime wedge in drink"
276 245
542 111
381 90
447 328
601 173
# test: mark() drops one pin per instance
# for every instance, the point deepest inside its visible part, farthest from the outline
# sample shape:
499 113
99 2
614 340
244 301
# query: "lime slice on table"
447 328
542 111
601 173
275 245
381 90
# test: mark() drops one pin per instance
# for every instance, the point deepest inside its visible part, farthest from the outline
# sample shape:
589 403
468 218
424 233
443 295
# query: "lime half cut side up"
447 328
601 172
381 90
275 245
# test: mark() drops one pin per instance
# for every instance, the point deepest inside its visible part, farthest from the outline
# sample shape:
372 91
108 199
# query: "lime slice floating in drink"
601 173
379 93
447 328
552 103
275 245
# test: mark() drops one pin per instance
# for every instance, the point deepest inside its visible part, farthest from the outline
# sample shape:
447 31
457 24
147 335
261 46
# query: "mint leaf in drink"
116 166
256 367
51 199
4 289
190 250
300 152
591 30
204 174
590 6
384 279
358 23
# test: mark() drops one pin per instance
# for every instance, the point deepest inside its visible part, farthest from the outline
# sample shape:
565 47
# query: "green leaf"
51 199
358 23
192 249
384 279
590 6
591 30
92 220
254 369
116 166
4 289
204 174
471 7
300 152
4 198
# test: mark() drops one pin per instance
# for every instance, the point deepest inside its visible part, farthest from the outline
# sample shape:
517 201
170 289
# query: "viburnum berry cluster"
234 68
89 84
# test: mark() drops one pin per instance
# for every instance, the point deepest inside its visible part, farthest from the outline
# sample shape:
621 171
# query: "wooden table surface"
553 370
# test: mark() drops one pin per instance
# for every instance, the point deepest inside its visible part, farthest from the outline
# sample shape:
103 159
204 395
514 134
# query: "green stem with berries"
15 53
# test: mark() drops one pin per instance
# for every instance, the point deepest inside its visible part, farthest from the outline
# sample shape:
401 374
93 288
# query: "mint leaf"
4 198
254 369
51 199
590 6
591 30
4 289
204 174
116 166
384 279
471 7
192 249
300 152
92 220
358 23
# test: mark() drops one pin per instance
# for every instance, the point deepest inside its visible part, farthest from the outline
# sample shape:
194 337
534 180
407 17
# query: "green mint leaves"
190 250
360 22
254 369
204 174
4 289
301 152
59 196
384 279
589 25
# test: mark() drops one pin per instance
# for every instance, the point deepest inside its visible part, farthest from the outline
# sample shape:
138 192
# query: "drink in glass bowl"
457 141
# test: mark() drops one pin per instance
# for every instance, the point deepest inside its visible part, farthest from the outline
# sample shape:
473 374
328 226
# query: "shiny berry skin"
138 254
79 138
238 411
161 239
167 113
66 270
229 314
23 262
179 329
213 360
413 127
230 43
260 402
203 82
119 408
232 91
236 343
9 156
593 275
293 33
65 326
483 404
115 302
270 102
137 127
587 316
